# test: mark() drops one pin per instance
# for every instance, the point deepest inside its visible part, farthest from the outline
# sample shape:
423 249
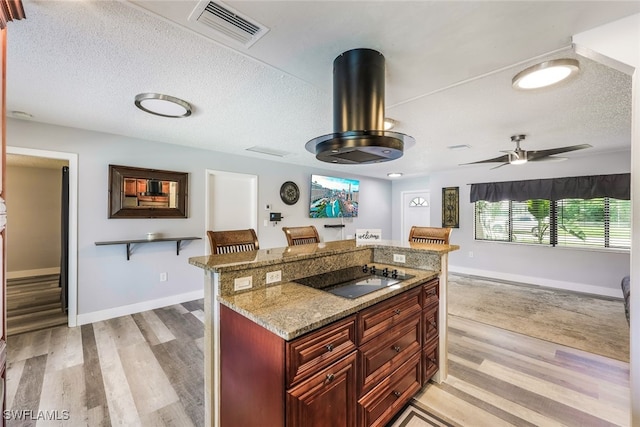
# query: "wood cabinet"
327 398
357 371
430 330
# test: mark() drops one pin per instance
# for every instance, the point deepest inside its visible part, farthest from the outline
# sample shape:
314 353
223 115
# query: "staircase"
33 303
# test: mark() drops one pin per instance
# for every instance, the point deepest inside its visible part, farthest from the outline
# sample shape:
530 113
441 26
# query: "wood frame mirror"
147 193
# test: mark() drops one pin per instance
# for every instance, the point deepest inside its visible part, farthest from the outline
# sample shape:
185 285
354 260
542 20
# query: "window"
596 223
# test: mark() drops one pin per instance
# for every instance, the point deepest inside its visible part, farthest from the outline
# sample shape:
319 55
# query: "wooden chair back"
225 242
430 235
301 235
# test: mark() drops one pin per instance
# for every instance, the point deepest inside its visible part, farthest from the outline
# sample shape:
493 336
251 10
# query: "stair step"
33 298
33 309
35 321
26 287
33 279
33 303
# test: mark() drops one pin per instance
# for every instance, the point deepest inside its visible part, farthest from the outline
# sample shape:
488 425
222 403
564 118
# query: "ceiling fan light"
546 74
518 161
389 123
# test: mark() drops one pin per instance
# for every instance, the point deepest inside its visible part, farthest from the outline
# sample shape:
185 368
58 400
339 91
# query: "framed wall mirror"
147 193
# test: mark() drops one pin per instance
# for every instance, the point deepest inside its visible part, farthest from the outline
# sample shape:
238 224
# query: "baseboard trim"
538 281
97 316
30 273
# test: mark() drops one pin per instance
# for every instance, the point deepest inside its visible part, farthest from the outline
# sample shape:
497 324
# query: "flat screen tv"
333 197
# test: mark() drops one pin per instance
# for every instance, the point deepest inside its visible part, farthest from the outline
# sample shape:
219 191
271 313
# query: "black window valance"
616 186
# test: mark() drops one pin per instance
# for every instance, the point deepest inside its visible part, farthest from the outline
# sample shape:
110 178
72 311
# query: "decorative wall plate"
289 193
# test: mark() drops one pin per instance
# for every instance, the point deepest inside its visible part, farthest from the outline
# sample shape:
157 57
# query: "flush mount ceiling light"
546 74
163 105
394 174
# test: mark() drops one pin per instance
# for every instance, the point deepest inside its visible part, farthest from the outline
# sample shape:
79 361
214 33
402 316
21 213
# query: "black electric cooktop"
354 282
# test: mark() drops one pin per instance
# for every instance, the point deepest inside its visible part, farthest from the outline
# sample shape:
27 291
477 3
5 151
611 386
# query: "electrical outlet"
163 277
470 254
274 276
399 258
242 283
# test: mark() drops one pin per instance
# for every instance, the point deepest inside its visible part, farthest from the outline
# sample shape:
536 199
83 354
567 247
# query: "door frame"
72 158
404 238
209 173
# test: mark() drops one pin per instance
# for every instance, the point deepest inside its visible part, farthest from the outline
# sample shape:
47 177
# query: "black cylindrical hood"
358 113
358 91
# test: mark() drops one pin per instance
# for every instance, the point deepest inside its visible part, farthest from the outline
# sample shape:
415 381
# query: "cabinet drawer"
378 406
385 315
380 357
308 354
429 360
326 398
431 293
430 322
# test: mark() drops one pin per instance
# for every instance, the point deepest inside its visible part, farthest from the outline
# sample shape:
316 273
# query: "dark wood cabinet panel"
251 373
431 293
430 328
430 323
383 316
357 371
381 357
430 360
328 398
384 401
314 351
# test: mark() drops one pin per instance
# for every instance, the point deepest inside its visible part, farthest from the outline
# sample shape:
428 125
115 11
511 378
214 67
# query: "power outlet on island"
163 277
274 276
242 283
399 258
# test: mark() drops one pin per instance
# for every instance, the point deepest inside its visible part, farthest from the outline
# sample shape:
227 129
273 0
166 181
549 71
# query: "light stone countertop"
290 310
266 257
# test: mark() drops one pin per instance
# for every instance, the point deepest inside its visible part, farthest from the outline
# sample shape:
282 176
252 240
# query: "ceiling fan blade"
499 166
549 159
500 159
534 155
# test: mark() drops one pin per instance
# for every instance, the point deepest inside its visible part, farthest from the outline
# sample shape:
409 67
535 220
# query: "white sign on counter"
368 235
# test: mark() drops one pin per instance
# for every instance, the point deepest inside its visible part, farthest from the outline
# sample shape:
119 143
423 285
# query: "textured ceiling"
449 70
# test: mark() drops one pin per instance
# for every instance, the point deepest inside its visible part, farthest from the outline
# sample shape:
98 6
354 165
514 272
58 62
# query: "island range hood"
358 114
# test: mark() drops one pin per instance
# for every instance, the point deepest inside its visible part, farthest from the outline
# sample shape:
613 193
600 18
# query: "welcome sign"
368 235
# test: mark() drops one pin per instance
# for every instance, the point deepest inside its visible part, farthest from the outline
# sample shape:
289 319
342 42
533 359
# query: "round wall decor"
289 193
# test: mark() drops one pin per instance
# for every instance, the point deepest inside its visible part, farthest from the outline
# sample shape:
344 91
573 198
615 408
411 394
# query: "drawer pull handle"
433 324
433 360
396 311
329 347
397 348
396 393
330 377
431 291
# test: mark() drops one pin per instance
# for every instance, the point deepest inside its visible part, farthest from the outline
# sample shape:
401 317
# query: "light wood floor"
147 370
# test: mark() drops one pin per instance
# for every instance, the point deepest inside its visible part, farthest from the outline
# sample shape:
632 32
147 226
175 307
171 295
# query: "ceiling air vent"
222 20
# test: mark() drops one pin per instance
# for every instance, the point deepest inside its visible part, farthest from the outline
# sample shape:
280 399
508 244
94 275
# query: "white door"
415 210
232 201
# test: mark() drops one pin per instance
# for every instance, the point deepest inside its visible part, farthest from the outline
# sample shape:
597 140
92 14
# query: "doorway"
415 210
232 202
72 161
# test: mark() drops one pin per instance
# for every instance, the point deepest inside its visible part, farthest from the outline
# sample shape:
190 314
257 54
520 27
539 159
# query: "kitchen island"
284 325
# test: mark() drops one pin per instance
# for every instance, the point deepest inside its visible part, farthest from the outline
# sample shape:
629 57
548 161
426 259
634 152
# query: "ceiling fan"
520 156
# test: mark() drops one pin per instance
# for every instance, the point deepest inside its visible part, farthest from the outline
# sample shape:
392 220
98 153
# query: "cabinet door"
325 399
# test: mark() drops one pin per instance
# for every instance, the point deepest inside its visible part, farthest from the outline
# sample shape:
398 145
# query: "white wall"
589 271
106 280
33 223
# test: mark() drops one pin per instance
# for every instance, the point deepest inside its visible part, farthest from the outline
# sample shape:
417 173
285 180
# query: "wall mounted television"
333 197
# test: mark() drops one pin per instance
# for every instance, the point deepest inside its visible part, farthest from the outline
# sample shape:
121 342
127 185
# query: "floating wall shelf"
178 240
